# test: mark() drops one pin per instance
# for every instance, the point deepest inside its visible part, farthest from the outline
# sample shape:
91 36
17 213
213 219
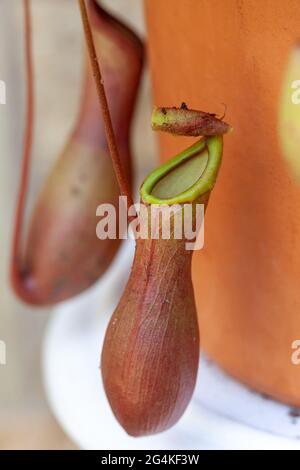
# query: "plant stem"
27 144
109 131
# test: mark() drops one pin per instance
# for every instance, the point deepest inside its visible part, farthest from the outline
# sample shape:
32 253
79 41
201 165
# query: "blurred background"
25 419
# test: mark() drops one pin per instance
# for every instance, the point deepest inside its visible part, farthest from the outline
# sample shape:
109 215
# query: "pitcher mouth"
187 176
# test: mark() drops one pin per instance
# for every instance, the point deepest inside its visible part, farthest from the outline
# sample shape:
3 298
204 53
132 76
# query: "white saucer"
213 420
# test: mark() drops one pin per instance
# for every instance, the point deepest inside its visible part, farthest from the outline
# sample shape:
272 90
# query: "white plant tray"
222 415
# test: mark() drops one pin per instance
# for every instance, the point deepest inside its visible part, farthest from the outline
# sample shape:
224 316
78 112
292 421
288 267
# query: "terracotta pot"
247 278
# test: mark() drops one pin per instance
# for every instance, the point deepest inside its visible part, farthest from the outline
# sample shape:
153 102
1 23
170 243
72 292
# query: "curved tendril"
110 135
26 159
